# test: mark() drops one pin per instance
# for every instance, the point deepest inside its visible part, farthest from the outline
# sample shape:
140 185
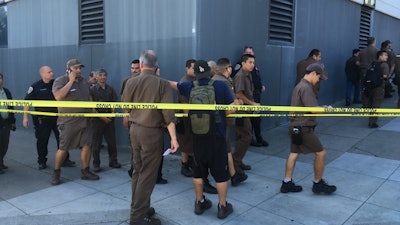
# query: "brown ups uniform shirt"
303 95
243 82
149 88
80 91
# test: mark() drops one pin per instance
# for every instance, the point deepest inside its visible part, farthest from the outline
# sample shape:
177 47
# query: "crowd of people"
358 82
202 154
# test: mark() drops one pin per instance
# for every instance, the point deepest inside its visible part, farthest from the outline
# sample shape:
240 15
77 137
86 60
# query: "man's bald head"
46 73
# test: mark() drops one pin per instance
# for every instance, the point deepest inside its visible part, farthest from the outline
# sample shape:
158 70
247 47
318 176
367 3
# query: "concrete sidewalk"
363 163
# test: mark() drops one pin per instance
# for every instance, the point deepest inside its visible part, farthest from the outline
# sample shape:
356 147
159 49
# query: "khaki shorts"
311 143
73 136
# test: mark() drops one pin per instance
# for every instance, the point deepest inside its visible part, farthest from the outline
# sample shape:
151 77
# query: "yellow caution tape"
175 106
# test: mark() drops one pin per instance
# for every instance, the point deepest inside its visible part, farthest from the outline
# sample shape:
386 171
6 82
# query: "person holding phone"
75 132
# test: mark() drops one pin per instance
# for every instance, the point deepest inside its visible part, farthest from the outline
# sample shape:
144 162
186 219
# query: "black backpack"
373 77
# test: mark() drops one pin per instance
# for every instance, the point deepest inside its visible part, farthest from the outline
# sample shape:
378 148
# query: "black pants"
256 124
43 127
4 140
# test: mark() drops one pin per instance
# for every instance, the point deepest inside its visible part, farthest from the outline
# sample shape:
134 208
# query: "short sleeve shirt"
303 96
78 92
243 82
41 91
228 81
181 98
99 94
385 68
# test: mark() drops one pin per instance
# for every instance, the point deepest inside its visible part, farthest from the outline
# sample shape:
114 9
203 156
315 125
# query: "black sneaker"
185 170
255 143
290 187
208 188
224 211
238 178
147 221
200 207
161 181
130 171
151 212
373 125
115 165
96 168
323 187
244 166
68 163
42 166
262 141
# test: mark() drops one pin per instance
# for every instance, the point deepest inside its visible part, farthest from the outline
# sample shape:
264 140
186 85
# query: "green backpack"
202 121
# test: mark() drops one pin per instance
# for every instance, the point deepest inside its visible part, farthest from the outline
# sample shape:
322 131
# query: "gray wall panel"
137 20
34 23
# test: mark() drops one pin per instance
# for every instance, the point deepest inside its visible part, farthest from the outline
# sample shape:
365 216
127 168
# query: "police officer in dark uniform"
42 90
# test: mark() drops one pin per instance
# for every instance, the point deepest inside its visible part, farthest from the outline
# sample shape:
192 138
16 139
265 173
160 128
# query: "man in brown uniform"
367 56
301 129
135 70
103 126
314 56
75 132
146 134
244 91
374 96
184 133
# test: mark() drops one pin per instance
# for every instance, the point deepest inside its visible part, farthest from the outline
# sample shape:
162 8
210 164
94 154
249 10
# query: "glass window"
3 26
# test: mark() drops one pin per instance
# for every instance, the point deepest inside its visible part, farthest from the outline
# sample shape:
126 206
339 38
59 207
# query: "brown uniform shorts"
73 136
310 143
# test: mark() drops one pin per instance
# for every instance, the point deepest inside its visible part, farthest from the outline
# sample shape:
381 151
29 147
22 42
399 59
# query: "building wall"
46 32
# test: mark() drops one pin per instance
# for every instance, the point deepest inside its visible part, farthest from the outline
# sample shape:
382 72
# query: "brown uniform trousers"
107 130
242 141
374 100
147 144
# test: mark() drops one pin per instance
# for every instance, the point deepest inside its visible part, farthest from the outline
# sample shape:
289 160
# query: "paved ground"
364 164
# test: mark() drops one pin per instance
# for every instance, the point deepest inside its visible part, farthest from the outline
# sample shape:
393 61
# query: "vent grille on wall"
365 26
281 21
91 21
